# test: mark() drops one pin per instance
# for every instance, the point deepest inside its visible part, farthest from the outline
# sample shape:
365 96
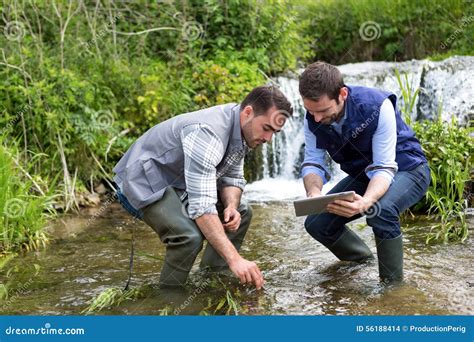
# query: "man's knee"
195 242
192 243
317 226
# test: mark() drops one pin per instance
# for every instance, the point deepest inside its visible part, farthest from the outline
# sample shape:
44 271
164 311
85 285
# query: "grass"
23 206
448 148
11 290
113 296
227 305
217 303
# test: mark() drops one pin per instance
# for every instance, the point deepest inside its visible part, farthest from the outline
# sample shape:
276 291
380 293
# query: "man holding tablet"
362 130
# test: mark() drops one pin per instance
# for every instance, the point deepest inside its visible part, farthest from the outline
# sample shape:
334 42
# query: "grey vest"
156 160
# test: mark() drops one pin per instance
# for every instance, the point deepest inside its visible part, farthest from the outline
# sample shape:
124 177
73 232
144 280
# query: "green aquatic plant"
408 94
17 280
111 297
226 305
24 204
448 148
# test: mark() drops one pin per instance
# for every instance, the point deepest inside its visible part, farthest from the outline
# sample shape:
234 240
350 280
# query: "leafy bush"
448 149
73 98
343 31
22 207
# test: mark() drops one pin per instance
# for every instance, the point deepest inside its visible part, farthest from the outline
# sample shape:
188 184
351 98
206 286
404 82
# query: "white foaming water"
283 189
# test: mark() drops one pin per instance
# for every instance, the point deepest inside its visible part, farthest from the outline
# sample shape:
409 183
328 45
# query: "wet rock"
86 199
445 86
100 189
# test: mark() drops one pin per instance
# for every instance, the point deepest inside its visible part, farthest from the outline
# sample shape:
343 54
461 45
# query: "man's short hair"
264 97
321 79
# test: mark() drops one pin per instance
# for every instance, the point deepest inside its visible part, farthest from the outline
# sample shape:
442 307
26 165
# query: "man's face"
325 110
257 130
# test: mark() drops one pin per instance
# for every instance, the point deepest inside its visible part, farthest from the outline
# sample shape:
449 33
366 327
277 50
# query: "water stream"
302 277
90 252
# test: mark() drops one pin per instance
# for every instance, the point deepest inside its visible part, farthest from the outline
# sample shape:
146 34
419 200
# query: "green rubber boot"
350 247
390 255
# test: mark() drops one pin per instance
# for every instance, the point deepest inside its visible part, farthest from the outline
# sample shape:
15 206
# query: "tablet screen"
317 205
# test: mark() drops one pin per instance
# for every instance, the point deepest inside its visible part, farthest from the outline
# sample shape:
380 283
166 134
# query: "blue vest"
353 150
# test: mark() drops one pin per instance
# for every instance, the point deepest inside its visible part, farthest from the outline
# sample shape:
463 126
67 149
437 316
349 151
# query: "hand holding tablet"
317 205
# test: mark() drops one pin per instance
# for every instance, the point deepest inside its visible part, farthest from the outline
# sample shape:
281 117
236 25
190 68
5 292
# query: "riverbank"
91 254
78 87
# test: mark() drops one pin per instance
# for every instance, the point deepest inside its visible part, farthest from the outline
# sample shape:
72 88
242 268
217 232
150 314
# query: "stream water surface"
90 253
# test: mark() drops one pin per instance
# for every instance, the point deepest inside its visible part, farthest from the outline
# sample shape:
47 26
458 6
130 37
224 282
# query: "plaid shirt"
207 168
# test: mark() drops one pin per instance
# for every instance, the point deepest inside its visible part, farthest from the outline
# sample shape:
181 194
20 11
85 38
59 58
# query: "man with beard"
362 130
184 178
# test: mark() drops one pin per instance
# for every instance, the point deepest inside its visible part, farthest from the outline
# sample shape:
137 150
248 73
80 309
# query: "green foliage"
164 94
449 151
74 98
223 83
22 208
208 83
111 297
259 32
394 30
409 96
10 288
84 104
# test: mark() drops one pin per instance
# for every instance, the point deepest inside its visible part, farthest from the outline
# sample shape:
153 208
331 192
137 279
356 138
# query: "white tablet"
317 205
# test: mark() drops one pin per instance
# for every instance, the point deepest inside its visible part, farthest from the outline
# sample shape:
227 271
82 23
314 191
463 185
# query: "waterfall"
282 155
447 85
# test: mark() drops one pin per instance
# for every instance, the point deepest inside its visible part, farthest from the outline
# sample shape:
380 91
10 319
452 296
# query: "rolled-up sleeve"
384 144
203 150
314 158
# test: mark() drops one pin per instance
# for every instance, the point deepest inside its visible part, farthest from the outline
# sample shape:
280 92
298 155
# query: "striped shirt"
208 167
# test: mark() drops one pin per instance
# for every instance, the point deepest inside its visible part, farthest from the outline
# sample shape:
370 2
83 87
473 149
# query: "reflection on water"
302 277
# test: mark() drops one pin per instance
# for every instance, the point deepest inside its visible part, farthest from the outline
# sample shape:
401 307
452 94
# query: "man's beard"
248 136
335 117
